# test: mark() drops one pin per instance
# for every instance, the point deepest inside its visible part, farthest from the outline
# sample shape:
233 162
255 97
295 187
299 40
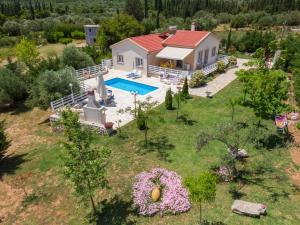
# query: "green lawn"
265 179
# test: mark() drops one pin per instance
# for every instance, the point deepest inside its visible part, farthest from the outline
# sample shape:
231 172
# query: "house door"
179 63
206 56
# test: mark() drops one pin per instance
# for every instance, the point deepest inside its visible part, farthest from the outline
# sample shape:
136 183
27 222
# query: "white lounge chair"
138 74
132 74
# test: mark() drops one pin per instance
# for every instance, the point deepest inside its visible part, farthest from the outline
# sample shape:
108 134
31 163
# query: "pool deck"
124 99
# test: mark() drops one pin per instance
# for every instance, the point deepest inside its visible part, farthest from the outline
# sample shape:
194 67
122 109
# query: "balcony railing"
167 71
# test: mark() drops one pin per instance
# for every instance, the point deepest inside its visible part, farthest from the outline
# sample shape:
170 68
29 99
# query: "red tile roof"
151 42
185 38
182 38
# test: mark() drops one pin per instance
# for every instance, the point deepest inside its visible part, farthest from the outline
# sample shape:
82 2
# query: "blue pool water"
127 85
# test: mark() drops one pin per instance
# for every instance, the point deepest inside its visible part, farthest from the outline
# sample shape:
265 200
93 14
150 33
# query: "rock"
248 208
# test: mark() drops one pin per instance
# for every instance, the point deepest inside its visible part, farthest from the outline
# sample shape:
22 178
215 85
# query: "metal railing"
213 67
173 72
69 100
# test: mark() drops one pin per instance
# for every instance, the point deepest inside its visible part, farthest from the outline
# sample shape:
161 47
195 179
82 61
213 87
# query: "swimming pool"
127 85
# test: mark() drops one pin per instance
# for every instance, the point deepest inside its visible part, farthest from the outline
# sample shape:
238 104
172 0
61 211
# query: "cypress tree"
228 43
169 100
31 9
185 89
140 119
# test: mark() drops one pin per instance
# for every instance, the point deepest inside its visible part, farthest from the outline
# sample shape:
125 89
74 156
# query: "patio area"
124 99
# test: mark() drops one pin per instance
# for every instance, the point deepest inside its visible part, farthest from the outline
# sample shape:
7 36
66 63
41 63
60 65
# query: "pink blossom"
174 197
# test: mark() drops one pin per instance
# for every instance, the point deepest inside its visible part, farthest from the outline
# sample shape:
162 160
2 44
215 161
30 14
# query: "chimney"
172 29
193 27
92 103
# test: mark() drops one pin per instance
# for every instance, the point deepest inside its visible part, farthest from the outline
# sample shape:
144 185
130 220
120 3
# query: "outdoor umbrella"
101 89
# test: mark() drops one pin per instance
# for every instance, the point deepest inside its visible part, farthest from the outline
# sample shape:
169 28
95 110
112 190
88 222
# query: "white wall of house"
207 45
130 52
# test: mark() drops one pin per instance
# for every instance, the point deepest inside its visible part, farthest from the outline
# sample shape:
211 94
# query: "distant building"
91 33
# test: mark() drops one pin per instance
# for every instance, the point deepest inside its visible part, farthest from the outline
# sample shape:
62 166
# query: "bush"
65 41
4 143
169 100
140 119
185 89
12 87
8 41
76 58
232 61
77 35
197 80
298 126
220 67
52 85
11 28
53 37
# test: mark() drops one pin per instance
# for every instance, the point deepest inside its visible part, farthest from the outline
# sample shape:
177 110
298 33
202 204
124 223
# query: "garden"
172 146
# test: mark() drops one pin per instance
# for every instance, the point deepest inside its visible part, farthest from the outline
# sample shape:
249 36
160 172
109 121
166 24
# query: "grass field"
264 180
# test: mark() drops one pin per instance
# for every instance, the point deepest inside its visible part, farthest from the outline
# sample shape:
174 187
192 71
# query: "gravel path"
219 82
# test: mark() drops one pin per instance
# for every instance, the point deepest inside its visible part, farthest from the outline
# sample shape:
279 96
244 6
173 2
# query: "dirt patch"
10 199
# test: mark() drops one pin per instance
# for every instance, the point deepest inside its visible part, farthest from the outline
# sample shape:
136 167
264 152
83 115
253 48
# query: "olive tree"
76 58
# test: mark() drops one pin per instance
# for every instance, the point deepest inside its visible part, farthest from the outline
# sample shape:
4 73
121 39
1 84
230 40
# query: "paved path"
219 82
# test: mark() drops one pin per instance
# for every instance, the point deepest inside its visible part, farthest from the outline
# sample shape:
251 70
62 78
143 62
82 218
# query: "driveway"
220 81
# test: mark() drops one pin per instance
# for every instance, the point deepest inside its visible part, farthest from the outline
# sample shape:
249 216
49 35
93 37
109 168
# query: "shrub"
220 67
185 89
298 126
53 37
11 28
8 41
4 143
65 41
77 35
52 85
76 58
140 119
232 61
12 87
197 80
169 100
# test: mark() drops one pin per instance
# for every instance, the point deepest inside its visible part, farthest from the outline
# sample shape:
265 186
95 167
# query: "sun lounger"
248 208
132 74
137 75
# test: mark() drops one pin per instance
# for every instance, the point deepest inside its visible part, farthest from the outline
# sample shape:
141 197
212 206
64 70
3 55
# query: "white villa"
181 50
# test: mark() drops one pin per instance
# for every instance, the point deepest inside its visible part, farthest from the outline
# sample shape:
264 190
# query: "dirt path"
295 153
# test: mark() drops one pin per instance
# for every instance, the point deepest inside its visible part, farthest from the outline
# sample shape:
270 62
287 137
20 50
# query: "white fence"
213 67
68 100
161 70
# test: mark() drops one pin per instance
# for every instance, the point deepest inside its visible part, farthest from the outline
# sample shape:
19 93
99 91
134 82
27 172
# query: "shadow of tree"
10 163
160 145
17 109
114 212
184 118
206 222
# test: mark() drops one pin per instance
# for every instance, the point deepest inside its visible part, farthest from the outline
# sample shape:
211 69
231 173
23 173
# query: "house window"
139 62
120 59
200 57
213 52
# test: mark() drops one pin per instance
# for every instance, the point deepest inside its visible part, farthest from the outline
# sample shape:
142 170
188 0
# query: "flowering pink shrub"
174 197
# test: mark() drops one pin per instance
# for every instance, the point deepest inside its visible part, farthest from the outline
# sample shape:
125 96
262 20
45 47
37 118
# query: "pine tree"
185 89
169 100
